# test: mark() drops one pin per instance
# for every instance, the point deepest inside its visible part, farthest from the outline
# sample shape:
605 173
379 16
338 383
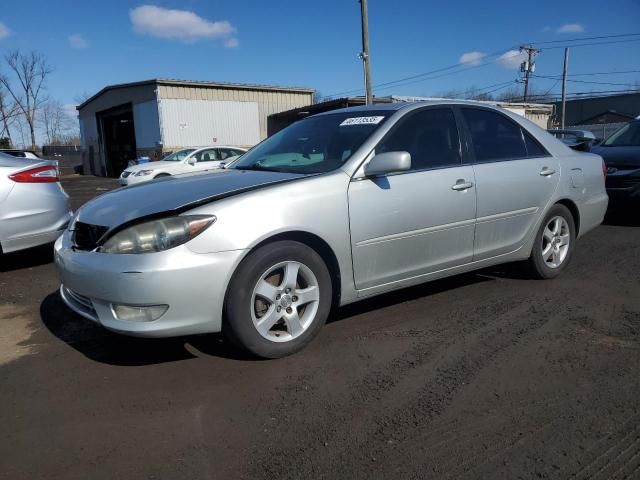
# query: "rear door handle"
546 171
462 185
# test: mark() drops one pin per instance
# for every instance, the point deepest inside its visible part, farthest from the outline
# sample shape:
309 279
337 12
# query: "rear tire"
278 299
554 243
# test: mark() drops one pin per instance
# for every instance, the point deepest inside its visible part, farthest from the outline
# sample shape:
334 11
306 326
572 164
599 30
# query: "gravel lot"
486 375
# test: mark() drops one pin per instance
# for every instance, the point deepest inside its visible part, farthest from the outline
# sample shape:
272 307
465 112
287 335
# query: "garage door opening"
118 139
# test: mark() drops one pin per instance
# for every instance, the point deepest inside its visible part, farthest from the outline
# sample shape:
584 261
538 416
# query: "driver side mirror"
388 162
191 161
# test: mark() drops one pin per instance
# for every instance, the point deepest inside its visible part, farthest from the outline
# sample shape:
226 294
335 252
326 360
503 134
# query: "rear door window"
209 155
494 136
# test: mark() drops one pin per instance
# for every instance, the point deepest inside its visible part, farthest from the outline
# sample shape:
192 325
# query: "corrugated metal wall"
235 115
268 101
89 143
146 124
205 122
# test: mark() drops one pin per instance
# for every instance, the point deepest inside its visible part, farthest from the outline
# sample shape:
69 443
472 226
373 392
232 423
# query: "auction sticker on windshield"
361 121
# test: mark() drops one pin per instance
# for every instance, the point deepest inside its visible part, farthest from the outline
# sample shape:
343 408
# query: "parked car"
581 140
183 161
14 152
27 154
335 208
621 153
34 208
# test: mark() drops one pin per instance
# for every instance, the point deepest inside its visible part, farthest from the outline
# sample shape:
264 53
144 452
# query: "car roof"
396 106
214 146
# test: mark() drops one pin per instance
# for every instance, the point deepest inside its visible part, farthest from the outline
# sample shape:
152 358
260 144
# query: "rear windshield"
627 136
314 145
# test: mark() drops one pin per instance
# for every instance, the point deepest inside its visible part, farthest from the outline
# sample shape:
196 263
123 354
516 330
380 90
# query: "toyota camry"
335 208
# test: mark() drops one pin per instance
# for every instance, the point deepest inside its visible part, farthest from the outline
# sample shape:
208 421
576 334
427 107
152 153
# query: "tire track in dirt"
443 370
607 459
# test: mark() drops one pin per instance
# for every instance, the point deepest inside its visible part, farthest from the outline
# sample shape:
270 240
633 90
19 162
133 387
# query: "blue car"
621 153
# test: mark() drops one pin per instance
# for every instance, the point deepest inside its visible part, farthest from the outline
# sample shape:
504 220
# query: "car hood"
620 157
173 195
152 166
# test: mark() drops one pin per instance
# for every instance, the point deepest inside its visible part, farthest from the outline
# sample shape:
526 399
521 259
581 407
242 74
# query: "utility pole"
364 55
564 85
528 67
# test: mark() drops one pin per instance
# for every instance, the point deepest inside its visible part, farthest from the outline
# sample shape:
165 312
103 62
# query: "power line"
458 68
593 92
409 80
481 90
586 81
587 38
596 73
573 45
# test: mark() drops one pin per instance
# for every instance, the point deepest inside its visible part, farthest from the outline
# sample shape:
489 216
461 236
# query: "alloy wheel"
556 238
285 301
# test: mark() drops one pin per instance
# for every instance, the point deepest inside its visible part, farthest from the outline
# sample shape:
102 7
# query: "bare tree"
82 97
8 113
470 93
31 72
21 128
55 121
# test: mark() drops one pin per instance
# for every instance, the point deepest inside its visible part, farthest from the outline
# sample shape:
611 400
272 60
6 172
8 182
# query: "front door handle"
547 172
462 185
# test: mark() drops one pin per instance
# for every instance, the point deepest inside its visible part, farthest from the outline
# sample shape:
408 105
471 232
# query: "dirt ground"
485 375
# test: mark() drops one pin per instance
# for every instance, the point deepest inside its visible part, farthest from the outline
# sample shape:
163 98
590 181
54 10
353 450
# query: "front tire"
554 243
278 299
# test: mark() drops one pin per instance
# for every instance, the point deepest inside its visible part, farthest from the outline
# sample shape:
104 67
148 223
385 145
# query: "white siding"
206 122
146 124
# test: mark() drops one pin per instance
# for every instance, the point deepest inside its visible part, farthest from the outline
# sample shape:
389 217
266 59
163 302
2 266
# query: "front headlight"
142 173
158 235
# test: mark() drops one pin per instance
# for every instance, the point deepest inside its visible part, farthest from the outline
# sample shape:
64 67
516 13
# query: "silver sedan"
335 208
34 209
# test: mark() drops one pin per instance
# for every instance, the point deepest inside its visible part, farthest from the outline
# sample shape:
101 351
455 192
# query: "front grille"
125 174
79 303
80 299
86 236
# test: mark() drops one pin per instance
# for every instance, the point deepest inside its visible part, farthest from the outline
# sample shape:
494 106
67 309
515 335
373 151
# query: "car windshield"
314 145
627 136
179 155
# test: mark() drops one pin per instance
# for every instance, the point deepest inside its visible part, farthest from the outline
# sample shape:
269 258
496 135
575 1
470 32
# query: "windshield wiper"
257 168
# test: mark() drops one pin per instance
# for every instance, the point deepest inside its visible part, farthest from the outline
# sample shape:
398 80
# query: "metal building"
125 121
602 109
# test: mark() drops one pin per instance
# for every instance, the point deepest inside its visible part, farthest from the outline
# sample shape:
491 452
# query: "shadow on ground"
32 257
623 216
406 295
101 345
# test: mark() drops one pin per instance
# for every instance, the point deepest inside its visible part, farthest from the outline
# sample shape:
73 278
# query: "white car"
183 161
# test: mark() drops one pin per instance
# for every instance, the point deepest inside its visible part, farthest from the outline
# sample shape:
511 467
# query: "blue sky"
92 44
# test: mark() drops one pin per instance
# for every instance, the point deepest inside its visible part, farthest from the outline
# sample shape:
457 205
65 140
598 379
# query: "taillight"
46 174
604 168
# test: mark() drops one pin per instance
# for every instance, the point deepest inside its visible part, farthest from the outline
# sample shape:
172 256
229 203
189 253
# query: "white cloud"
4 31
232 43
77 41
70 110
472 58
512 59
570 28
178 24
